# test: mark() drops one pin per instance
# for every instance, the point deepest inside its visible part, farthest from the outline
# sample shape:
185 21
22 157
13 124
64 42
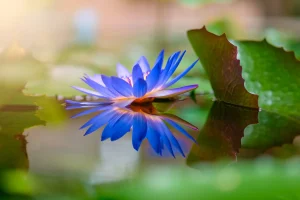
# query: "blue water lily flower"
143 120
143 85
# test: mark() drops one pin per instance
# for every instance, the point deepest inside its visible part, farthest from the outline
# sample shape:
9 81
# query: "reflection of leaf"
221 135
272 130
219 58
273 74
12 142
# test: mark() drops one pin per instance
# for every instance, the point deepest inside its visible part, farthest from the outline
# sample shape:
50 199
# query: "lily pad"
269 72
273 74
219 58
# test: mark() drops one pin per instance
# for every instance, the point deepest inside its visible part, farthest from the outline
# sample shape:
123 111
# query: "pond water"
60 152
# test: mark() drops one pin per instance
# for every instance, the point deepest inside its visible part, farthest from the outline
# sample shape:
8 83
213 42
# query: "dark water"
59 151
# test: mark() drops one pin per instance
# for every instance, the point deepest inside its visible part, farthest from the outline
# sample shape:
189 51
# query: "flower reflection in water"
144 121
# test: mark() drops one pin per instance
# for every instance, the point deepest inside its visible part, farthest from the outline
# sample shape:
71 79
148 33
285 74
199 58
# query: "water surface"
59 151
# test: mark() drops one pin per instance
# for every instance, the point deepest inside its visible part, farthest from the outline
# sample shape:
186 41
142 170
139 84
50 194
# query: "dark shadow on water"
221 135
236 133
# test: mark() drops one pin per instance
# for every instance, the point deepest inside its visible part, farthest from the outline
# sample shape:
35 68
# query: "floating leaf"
273 74
269 72
219 58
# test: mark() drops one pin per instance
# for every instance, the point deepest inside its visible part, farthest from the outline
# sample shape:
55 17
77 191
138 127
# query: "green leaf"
219 59
273 74
269 72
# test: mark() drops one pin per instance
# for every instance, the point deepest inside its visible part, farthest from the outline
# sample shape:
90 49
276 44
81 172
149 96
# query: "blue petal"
109 129
168 144
161 127
139 130
171 60
180 129
139 88
153 76
153 137
180 75
174 67
143 62
108 83
122 71
71 107
99 88
86 112
172 138
160 58
137 73
93 120
89 92
173 92
98 121
122 127
97 78
86 102
121 86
